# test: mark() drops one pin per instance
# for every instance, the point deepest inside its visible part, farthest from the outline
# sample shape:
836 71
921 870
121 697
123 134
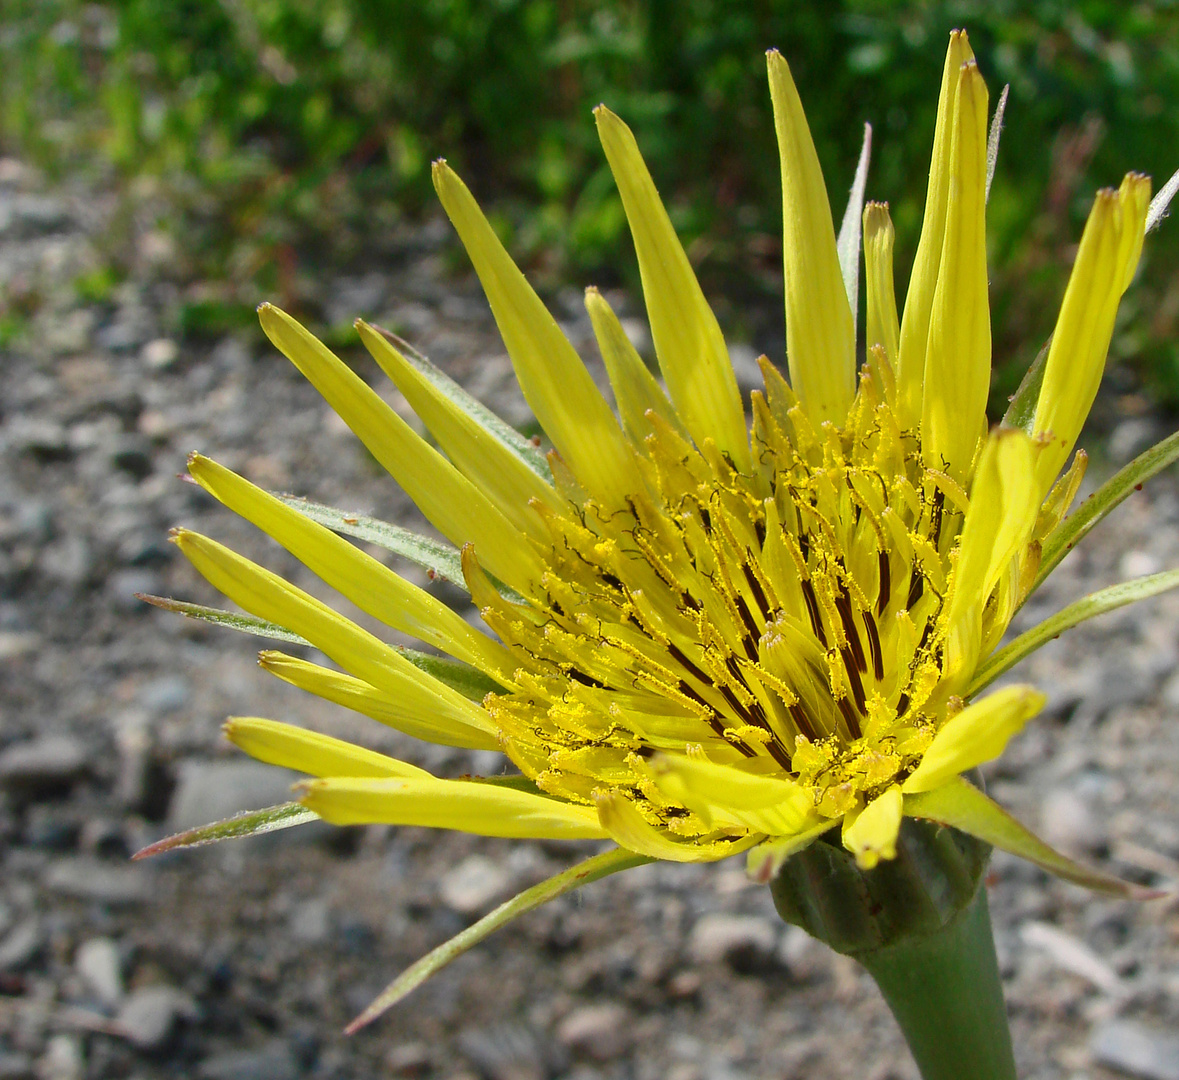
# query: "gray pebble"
601 1031
1067 821
274 1061
504 1052
150 1015
62 1059
473 884
1136 1049
743 941
98 962
49 763
21 945
14 1066
211 790
88 879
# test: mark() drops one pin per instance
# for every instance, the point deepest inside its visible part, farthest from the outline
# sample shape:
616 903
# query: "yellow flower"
710 636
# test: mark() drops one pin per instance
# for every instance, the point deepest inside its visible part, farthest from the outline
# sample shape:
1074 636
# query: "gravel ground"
245 961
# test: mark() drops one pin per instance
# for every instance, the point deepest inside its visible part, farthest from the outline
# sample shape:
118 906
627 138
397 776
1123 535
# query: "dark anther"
585 680
759 594
885 582
853 677
848 618
874 645
682 657
750 625
689 601
706 517
802 721
759 527
812 609
610 579
850 717
902 705
939 502
916 588
804 545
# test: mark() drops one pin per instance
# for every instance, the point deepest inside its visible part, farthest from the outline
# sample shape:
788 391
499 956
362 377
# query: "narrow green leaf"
1022 408
468 681
234 620
503 432
1116 596
1116 489
251 823
599 866
435 555
962 806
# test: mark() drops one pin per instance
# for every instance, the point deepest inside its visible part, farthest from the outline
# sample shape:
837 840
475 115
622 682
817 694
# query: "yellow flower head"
711 633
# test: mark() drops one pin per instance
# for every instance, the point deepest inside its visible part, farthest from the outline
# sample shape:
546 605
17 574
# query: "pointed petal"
871 834
688 342
720 793
1105 263
305 751
234 620
820 327
249 823
979 733
555 382
927 262
883 328
593 868
415 713
491 465
270 597
1003 508
847 243
962 806
958 352
765 860
369 584
629 829
1116 596
482 809
459 510
635 389
1111 494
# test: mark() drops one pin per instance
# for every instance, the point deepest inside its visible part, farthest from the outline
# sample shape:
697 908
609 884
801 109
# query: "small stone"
473 884
62 1059
159 354
504 1052
21 945
409 1059
212 790
14 1066
149 1015
274 1061
600 1031
310 921
1067 821
1136 1049
98 962
88 879
1131 437
164 695
745 942
44 765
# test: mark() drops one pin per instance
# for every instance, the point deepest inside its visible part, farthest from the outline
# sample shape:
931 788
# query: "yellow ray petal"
629 829
490 465
1105 263
270 597
871 834
688 342
458 509
1004 504
958 353
883 328
635 389
820 327
292 747
979 733
914 339
555 382
370 585
482 809
416 713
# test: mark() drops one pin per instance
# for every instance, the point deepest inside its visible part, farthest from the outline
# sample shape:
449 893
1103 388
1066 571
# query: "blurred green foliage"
283 133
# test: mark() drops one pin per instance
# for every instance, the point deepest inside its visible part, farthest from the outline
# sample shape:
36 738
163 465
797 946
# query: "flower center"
785 621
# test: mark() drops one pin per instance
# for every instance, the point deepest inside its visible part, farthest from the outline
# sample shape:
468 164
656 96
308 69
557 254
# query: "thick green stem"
919 924
945 993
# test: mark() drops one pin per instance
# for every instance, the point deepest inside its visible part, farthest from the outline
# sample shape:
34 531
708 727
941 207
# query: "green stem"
944 990
919 924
